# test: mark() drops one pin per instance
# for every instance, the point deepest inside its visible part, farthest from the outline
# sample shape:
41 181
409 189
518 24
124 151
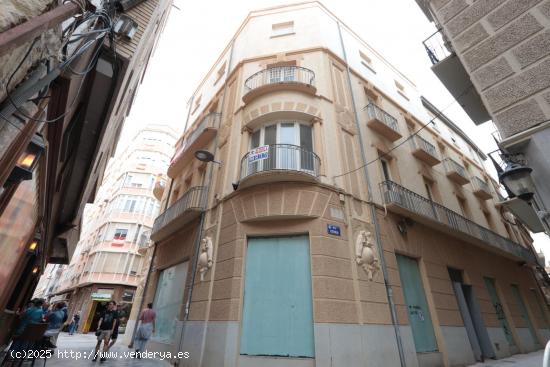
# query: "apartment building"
116 232
321 212
69 72
494 57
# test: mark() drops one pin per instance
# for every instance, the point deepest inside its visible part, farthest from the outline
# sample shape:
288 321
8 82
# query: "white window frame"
296 142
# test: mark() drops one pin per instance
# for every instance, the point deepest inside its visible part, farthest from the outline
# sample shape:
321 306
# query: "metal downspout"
389 290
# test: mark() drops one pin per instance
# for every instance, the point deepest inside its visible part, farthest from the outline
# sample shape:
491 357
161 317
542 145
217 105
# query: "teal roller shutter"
490 284
277 313
417 305
524 314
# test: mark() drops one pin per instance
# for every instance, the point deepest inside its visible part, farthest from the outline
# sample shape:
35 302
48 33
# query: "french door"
290 147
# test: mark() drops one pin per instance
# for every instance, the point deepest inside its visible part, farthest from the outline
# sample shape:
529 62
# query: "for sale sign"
258 154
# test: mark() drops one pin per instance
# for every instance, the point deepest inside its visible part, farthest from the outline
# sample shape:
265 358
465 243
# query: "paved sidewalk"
519 360
84 344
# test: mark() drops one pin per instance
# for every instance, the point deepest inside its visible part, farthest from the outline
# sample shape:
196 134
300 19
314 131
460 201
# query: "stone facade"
332 200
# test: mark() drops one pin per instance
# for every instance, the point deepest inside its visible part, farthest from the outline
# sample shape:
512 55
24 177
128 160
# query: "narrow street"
82 345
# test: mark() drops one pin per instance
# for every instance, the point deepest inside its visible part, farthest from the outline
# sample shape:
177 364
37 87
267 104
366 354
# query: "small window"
401 89
366 61
385 169
130 205
282 29
120 234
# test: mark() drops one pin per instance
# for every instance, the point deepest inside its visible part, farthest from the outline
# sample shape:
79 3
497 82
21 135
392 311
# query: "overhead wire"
412 135
98 40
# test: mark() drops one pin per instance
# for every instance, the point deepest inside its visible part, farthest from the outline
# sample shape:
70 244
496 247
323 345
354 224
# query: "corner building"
293 108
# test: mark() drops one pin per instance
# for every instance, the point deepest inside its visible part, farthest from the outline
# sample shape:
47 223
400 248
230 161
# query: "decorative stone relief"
205 257
365 255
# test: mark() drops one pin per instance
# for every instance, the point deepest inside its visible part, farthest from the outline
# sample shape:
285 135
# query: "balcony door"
290 147
282 74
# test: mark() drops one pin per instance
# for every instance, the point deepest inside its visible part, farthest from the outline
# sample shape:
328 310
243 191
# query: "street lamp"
517 179
205 156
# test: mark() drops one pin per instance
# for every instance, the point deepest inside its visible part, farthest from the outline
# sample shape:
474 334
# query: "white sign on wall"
258 154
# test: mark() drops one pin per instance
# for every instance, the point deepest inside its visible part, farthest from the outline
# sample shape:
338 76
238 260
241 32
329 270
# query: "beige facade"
327 105
494 57
116 229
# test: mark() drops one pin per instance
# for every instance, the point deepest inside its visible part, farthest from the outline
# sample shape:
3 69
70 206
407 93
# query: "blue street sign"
332 229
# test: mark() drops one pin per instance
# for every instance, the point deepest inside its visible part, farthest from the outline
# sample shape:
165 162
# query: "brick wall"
505 46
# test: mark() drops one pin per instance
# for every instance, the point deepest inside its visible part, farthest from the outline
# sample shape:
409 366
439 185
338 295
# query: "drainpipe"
207 183
389 290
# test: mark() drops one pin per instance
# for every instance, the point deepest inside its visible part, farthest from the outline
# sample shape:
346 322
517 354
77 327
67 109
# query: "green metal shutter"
277 312
490 284
524 314
417 305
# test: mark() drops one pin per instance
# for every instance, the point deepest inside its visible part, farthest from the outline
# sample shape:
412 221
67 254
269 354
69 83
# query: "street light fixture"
517 179
28 160
205 156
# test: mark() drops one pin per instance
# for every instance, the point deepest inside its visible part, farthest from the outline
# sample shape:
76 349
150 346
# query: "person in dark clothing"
120 319
105 329
74 324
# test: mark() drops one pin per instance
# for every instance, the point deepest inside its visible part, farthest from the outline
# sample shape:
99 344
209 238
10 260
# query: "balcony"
449 69
382 122
279 162
279 78
481 188
411 205
205 131
424 150
187 208
455 171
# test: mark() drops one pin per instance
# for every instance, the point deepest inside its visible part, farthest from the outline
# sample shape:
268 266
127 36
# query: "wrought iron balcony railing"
438 47
421 143
424 150
194 200
280 74
481 188
455 171
382 122
479 184
212 120
281 157
376 112
394 194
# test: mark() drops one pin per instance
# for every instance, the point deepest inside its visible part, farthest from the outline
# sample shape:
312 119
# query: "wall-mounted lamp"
33 246
35 269
517 179
27 161
205 156
235 185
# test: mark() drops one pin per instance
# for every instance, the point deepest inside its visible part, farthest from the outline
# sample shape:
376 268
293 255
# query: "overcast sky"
195 36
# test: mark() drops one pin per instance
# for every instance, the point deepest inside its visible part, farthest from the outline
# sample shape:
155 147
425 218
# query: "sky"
198 31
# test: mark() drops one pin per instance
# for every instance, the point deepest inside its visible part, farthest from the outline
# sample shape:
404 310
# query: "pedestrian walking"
120 319
74 323
105 329
145 329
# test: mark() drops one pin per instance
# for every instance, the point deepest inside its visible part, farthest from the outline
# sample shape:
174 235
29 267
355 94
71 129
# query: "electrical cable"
384 154
100 41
